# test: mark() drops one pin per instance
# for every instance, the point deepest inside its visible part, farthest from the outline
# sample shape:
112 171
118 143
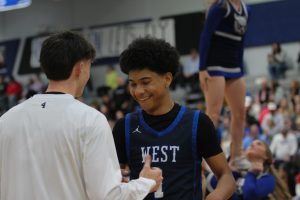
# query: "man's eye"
146 83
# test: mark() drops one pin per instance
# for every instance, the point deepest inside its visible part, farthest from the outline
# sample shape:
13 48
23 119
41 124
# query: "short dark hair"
150 53
61 51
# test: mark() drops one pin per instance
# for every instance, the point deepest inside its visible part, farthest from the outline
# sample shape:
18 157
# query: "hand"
256 167
204 77
151 173
125 175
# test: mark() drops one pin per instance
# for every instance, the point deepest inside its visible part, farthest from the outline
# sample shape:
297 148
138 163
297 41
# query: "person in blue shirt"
258 182
176 137
221 67
253 134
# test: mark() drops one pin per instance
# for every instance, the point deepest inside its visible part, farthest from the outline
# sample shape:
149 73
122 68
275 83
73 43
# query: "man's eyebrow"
141 79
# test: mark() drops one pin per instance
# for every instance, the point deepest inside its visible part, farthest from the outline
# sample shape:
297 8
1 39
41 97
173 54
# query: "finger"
148 161
157 169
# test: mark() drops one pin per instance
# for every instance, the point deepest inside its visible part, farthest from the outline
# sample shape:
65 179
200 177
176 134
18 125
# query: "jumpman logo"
137 130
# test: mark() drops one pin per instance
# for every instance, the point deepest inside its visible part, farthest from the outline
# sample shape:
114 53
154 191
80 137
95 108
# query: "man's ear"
168 78
78 68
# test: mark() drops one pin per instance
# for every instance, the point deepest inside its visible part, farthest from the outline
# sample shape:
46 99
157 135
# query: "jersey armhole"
194 135
127 135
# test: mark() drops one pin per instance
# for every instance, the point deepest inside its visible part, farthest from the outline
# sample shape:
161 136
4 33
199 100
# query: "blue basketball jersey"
222 43
172 149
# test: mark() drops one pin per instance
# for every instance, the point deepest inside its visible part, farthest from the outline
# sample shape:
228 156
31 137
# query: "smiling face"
151 90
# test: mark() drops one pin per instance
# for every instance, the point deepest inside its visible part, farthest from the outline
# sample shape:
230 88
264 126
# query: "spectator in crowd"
121 96
254 134
191 70
273 121
251 117
285 108
296 119
284 144
38 85
13 91
264 94
277 92
111 77
294 90
276 61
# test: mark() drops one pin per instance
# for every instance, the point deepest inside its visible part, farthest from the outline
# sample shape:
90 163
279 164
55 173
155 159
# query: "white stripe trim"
227 35
228 10
208 182
245 8
223 69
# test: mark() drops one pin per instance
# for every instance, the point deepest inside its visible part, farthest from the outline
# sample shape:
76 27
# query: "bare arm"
226 184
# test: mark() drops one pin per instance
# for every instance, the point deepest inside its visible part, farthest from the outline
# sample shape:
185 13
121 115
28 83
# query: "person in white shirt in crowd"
284 144
273 122
276 61
53 147
191 70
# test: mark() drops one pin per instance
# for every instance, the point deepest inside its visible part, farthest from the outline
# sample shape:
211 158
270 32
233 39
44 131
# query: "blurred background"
272 99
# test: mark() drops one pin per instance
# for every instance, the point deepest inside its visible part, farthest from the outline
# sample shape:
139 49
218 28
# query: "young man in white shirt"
54 147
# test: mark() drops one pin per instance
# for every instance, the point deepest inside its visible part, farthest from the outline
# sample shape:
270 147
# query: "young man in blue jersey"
176 137
221 68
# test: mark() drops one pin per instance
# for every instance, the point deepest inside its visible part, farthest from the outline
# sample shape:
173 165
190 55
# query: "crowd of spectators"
273 115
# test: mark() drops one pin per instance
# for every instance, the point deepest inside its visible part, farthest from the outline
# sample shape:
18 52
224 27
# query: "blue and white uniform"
248 186
172 149
222 40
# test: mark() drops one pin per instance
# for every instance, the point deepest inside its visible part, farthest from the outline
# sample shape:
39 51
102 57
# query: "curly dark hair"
150 53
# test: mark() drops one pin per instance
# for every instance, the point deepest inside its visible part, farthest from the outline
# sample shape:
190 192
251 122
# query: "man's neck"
163 109
62 86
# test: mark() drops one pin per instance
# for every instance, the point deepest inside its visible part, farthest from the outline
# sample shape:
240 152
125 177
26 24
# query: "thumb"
148 161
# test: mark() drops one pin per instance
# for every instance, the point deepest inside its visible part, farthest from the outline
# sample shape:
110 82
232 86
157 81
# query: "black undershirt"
207 143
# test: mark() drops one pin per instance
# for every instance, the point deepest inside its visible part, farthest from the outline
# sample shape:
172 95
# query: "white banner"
112 40
36 45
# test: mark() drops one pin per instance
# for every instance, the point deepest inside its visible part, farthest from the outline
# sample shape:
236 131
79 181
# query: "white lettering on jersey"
160 153
174 148
163 151
154 154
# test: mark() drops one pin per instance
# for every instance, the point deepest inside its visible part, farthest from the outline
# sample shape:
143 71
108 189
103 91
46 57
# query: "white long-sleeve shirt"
284 147
55 147
278 123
